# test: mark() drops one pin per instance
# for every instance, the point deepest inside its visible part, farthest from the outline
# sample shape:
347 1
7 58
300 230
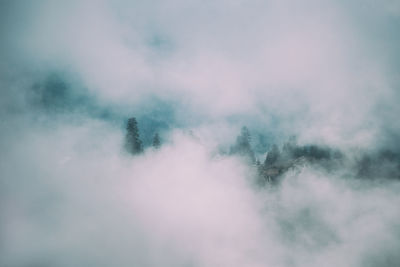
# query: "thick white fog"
304 62
73 72
70 197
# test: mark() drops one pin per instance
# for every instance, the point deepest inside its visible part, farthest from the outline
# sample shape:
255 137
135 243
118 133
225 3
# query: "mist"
323 75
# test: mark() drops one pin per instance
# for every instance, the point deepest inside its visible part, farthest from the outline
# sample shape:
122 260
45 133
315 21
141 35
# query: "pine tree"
156 141
272 156
242 146
132 140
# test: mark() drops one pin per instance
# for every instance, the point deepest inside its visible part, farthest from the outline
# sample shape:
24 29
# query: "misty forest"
200 133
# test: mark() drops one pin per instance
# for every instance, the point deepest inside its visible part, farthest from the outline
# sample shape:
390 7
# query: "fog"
72 73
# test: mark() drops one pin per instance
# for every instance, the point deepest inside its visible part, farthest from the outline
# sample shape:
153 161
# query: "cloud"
70 196
198 71
224 58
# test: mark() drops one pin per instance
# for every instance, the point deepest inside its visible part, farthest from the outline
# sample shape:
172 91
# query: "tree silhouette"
242 146
272 156
132 140
156 141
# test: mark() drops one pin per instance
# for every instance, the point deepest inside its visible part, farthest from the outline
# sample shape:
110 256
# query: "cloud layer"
197 71
70 197
322 68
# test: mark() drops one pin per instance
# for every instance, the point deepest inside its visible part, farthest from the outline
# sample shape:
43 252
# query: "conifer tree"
272 156
156 141
243 146
132 140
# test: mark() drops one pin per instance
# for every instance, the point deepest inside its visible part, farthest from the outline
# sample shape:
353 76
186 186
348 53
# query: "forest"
279 159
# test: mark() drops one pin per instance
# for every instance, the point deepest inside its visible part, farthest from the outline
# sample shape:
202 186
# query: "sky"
72 72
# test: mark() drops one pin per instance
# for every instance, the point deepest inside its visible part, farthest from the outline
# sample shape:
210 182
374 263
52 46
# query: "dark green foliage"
278 161
242 146
364 166
132 141
272 156
156 141
289 148
379 164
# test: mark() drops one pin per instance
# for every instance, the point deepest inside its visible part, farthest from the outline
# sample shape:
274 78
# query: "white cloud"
70 197
180 206
222 58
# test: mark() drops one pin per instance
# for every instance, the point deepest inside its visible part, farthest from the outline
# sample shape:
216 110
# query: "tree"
156 141
132 140
272 156
289 148
242 146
